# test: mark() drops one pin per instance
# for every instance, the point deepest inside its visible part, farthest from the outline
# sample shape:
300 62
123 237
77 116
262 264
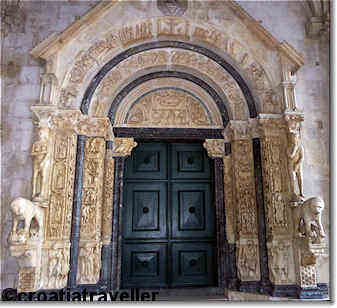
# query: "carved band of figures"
89 257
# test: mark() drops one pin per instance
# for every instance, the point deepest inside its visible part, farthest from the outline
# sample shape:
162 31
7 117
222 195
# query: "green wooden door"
168 217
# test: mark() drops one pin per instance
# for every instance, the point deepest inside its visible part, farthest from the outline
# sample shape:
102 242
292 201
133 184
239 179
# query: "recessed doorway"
168 217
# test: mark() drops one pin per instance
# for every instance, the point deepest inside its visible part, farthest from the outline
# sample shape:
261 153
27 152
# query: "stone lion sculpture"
25 210
310 219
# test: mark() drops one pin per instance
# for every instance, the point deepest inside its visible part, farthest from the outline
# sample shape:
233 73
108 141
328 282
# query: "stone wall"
34 21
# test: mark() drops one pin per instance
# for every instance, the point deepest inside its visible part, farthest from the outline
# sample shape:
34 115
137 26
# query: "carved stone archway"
243 109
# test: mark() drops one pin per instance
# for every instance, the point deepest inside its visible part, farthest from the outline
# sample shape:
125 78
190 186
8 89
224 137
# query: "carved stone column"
120 149
291 61
246 225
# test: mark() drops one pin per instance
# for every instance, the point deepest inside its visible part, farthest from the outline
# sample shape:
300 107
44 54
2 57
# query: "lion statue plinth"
310 220
25 210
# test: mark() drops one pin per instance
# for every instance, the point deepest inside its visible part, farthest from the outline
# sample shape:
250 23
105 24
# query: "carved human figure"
279 262
42 161
295 155
86 263
310 220
23 209
247 261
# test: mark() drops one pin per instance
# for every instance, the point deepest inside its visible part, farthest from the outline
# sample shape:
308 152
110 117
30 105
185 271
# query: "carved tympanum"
168 107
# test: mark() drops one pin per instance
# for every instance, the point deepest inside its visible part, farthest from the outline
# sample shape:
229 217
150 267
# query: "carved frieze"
168 107
59 211
91 212
245 187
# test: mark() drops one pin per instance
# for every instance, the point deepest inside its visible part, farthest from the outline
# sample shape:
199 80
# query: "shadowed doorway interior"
168 217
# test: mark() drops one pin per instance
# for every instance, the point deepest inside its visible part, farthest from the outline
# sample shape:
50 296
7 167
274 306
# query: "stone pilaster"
246 226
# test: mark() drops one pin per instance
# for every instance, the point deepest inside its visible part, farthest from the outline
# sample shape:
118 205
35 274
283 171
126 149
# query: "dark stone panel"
105 273
177 133
109 144
222 243
228 148
166 44
115 236
76 214
232 279
265 284
163 74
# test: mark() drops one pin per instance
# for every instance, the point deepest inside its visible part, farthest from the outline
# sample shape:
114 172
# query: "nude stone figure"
42 161
295 155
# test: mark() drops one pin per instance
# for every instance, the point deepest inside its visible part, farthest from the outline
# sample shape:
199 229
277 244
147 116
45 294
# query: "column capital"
123 147
215 147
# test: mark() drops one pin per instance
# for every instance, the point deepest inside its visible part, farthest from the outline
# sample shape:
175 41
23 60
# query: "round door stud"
145 210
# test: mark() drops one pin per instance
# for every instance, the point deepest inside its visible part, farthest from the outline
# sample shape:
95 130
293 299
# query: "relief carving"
89 263
135 33
89 258
245 187
173 26
59 211
168 107
247 261
172 7
279 261
58 267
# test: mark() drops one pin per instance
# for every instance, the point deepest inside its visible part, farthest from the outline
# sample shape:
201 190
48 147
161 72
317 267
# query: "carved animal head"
18 207
316 205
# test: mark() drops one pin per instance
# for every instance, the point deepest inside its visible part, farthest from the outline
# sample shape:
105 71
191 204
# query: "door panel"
168 217
146 210
192 264
148 161
192 210
189 162
144 265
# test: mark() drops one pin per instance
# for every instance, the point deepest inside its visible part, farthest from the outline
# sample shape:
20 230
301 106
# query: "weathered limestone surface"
35 21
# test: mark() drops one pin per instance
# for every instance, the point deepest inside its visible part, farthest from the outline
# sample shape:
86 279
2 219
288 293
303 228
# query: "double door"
168 217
